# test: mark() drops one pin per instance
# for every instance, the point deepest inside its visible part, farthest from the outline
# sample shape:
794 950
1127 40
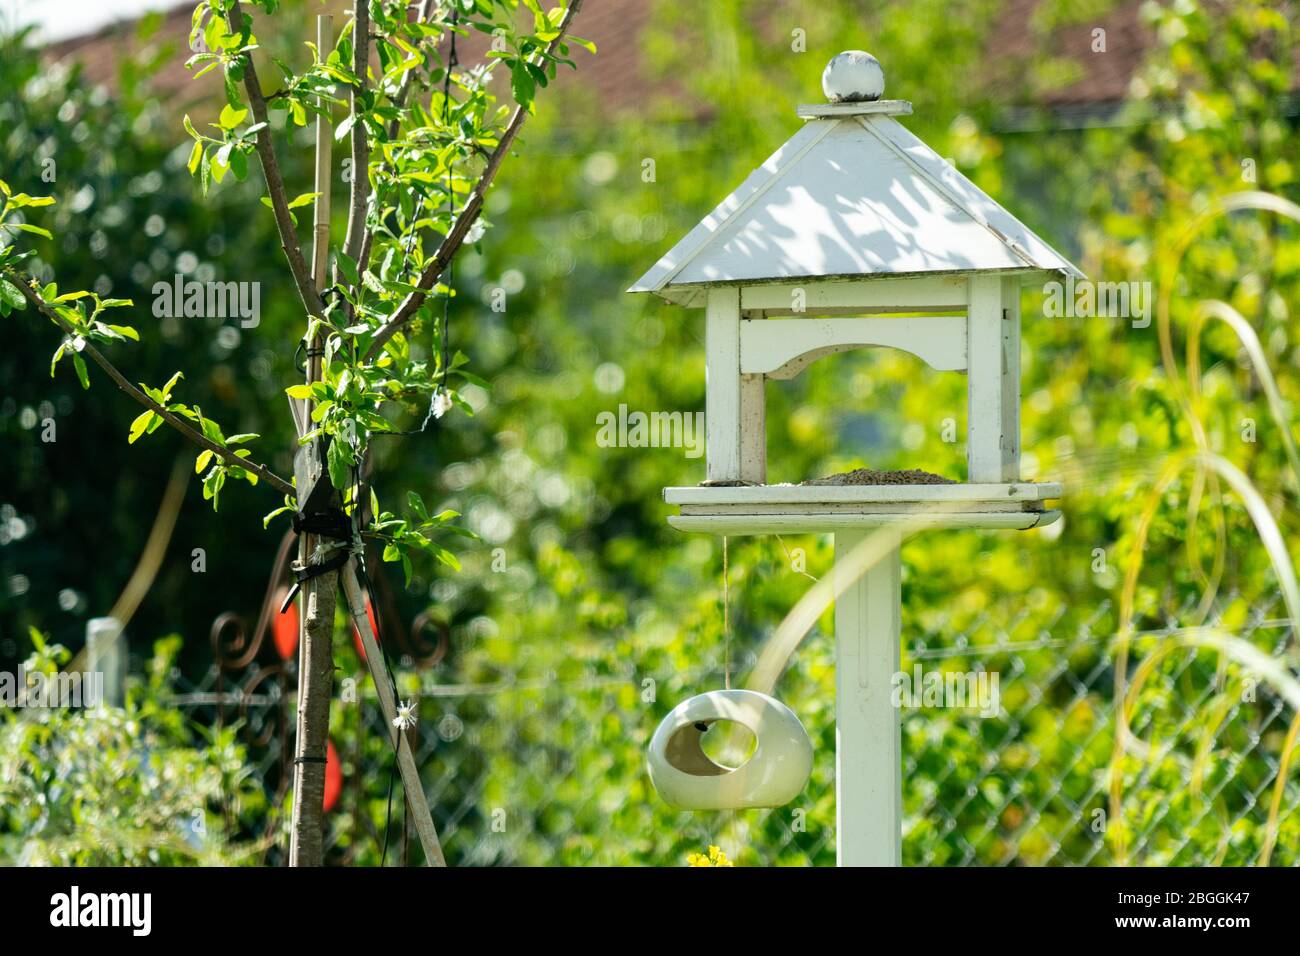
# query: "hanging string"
726 619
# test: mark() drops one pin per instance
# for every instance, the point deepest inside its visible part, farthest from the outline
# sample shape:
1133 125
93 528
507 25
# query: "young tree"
426 140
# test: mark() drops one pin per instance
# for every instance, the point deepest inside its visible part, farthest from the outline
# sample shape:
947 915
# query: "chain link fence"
542 769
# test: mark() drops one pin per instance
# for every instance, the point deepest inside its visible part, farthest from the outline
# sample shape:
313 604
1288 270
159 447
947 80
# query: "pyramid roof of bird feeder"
852 195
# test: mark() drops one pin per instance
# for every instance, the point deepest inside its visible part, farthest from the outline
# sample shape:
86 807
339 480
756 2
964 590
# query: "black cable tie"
306 759
316 570
331 523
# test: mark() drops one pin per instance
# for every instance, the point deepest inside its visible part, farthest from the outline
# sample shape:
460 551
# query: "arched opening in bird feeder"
867 425
727 743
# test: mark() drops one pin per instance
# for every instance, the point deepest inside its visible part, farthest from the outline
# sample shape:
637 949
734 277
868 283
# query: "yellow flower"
715 857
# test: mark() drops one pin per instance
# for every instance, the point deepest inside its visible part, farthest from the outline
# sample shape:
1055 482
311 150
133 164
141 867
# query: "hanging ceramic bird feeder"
687 778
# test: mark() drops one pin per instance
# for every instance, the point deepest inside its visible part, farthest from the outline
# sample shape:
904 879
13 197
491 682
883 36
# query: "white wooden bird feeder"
856 234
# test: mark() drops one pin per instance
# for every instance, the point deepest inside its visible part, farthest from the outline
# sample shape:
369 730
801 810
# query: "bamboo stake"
380 674
319 594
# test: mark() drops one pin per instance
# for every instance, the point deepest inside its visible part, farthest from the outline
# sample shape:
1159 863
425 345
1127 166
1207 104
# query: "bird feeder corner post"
1011 379
722 384
984 380
868 735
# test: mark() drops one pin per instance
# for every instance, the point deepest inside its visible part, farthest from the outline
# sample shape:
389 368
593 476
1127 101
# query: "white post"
753 429
984 381
722 384
1011 379
105 656
868 744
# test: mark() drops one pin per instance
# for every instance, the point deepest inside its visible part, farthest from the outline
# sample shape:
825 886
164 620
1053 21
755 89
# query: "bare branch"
360 137
175 421
274 180
474 205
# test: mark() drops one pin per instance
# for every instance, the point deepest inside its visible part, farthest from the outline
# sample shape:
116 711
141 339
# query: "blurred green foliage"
129 786
596 615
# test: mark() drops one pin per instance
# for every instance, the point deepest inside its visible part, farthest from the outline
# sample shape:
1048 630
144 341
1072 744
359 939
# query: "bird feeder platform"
790 509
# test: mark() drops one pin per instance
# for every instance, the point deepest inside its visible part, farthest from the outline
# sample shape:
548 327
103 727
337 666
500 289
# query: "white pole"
105 650
868 746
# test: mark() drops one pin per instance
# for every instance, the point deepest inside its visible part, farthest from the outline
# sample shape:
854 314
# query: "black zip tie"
333 524
306 759
313 571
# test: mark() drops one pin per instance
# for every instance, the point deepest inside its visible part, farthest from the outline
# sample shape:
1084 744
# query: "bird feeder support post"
868 744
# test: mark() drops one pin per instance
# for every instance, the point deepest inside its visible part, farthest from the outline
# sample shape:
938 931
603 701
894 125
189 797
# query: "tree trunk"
315 687
319 594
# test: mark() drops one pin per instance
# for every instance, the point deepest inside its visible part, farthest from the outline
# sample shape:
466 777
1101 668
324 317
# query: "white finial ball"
853 77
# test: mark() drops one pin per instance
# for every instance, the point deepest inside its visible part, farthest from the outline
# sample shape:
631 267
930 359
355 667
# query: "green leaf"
37 230
201 462
347 267
140 426
212 485
22 201
231 116
126 331
522 86
232 91
417 505
339 460
266 521
298 391
196 156
12 295
239 164
82 374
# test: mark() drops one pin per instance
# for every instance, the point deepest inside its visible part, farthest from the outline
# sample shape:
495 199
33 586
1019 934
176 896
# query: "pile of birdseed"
869 476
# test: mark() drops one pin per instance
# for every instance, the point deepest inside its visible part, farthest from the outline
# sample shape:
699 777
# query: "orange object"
356 634
284 627
333 776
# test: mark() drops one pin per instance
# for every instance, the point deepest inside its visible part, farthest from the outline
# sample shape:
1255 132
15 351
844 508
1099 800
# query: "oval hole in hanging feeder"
688 779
